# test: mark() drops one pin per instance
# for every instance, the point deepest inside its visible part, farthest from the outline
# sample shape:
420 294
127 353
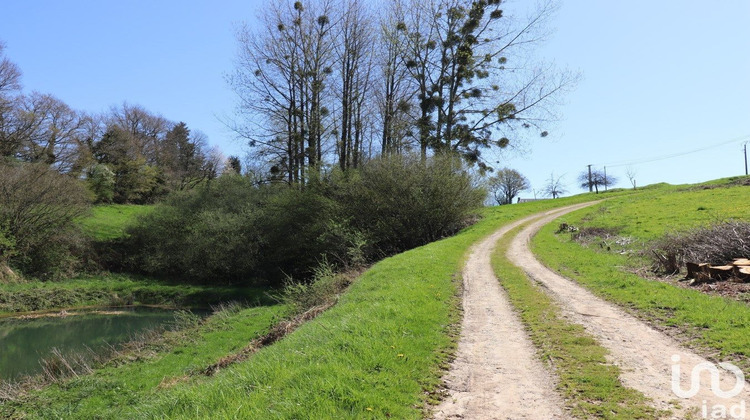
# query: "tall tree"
182 158
281 80
354 50
439 71
145 130
506 184
52 131
458 54
10 88
394 95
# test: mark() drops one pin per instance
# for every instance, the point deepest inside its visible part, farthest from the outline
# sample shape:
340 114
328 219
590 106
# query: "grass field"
379 352
717 325
109 221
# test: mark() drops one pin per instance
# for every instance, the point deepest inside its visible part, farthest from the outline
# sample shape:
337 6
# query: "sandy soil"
648 358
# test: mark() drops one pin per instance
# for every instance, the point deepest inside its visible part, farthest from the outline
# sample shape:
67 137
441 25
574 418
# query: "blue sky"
659 78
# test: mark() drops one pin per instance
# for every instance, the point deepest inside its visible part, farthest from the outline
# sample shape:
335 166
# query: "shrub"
323 289
230 230
295 229
38 207
208 234
401 202
717 245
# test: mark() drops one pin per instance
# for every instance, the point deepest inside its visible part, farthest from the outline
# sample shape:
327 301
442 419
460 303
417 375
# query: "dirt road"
497 374
646 356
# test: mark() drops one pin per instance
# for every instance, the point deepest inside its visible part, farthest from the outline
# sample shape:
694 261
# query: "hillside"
382 350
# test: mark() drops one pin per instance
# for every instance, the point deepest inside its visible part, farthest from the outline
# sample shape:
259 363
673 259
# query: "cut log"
694 268
743 273
721 272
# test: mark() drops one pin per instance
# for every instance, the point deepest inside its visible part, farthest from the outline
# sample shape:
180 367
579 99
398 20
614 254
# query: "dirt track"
497 375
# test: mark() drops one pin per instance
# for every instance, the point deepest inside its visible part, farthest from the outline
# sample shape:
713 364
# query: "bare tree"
10 75
354 49
146 130
631 173
10 87
52 130
459 57
281 81
395 99
452 75
595 179
554 187
506 185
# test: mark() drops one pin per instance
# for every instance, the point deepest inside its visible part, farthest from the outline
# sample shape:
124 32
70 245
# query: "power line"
673 155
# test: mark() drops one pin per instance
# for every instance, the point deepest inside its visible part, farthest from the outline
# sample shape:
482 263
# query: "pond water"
23 342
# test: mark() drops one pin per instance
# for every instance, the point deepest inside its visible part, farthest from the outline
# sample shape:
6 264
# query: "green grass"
720 326
116 290
131 379
591 386
108 221
653 212
381 351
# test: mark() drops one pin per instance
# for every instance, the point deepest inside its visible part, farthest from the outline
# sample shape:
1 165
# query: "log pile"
738 270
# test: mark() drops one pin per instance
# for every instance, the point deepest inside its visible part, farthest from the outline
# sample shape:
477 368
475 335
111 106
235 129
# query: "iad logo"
718 411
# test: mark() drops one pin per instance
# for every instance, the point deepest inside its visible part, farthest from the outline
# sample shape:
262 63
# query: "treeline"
233 230
55 161
126 155
336 82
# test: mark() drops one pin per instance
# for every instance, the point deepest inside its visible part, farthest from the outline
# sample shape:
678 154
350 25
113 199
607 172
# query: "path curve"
496 373
645 356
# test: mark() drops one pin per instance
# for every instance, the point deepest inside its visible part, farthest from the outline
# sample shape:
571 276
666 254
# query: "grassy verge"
718 325
109 221
116 290
590 385
140 374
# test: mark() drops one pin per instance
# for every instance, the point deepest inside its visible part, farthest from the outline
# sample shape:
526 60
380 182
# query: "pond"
23 342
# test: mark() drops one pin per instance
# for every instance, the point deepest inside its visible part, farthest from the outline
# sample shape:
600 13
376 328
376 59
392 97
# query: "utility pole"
745 149
591 184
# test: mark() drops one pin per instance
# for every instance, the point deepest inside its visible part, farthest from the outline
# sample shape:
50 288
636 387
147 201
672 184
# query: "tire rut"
497 373
645 356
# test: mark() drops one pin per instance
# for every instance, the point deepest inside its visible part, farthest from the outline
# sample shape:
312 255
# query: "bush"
38 207
230 230
401 203
718 244
295 226
209 234
323 289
